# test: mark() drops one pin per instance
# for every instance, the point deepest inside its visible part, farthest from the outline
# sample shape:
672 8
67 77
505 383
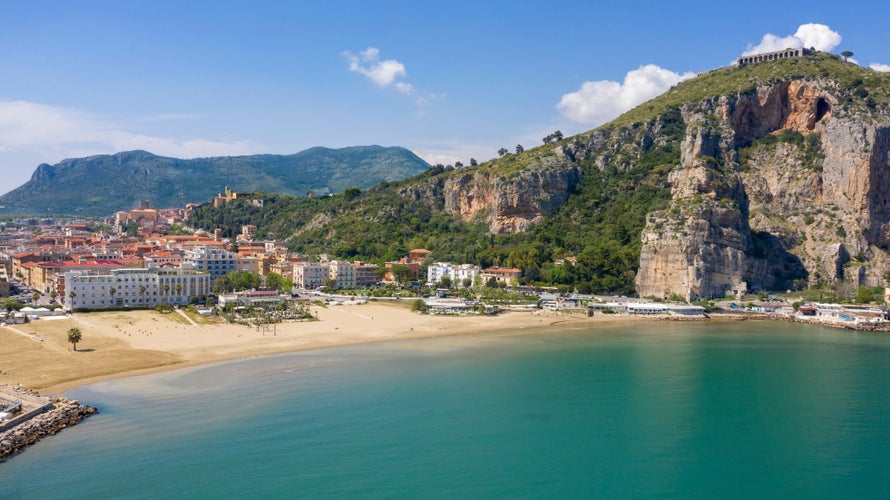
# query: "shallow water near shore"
747 409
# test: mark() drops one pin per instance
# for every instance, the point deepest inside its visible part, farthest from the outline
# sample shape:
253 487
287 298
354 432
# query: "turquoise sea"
692 410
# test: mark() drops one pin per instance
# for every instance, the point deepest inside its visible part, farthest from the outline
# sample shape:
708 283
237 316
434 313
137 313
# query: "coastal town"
148 257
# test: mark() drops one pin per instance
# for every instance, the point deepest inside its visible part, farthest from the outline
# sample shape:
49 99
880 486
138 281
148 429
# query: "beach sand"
117 344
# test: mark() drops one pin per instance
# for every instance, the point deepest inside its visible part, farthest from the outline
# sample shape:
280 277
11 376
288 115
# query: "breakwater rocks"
64 413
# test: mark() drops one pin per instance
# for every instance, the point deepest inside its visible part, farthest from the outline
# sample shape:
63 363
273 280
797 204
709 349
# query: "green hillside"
100 185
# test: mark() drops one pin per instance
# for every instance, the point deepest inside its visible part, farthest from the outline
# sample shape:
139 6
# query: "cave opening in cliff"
823 108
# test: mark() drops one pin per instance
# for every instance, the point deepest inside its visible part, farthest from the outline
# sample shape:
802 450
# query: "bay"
624 410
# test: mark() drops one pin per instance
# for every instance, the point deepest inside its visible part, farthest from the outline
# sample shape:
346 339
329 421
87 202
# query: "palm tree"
142 293
74 336
167 290
72 294
54 294
112 291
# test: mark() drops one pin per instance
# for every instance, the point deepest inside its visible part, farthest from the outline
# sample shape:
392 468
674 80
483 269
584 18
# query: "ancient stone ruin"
771 56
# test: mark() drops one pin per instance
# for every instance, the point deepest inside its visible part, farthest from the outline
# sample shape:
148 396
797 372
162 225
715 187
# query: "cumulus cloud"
52 133
818 36
598 102
880 67
383 73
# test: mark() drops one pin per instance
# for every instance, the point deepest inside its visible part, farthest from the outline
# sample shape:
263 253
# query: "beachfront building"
508 275
216 261
343 273
457 273
310 275
253 298
646 308
134 287
436 271
365 274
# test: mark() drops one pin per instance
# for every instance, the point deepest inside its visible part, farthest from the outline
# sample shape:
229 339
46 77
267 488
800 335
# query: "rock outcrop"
509 204
65 413
779 187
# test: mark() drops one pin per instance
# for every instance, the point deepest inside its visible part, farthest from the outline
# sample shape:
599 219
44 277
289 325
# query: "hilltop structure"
772 56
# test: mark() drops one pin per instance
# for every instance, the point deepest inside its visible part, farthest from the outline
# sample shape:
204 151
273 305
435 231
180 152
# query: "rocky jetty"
65 413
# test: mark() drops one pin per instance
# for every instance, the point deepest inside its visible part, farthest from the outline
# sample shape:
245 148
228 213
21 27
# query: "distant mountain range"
103 184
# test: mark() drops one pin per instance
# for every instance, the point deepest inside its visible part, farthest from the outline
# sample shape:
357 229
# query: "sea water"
628 410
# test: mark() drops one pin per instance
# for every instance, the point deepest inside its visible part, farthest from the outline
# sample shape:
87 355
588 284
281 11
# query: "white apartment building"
134 287
457 273
310 275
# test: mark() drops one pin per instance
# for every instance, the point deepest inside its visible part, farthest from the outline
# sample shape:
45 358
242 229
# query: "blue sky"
450 80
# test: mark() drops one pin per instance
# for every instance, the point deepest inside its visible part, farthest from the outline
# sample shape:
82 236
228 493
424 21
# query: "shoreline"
120 344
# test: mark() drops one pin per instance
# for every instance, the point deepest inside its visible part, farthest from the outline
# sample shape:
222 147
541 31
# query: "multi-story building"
462 272
457 273
310 275
436 271
509 275
4 282
343 273
366 274
216 261
134 287
162 258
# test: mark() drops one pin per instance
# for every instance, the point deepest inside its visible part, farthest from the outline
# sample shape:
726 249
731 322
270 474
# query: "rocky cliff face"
509 204
778 187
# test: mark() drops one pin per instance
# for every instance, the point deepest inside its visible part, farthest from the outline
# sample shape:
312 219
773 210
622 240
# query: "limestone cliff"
777 187
508 203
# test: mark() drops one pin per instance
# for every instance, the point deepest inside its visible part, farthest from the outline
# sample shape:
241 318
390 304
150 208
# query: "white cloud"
598 102
404 88
382 73
879 67
48 134
818 36
423 102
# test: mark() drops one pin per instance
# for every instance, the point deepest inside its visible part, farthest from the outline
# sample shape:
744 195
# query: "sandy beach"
117 344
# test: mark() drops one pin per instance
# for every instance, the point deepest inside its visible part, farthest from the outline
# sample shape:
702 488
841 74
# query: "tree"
458 164
503 151
12 305
72 294
35 296
445 281
557 135
112 291
74 336
846 54
419 305
278 282
142 289
473 162
467 282
519 148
